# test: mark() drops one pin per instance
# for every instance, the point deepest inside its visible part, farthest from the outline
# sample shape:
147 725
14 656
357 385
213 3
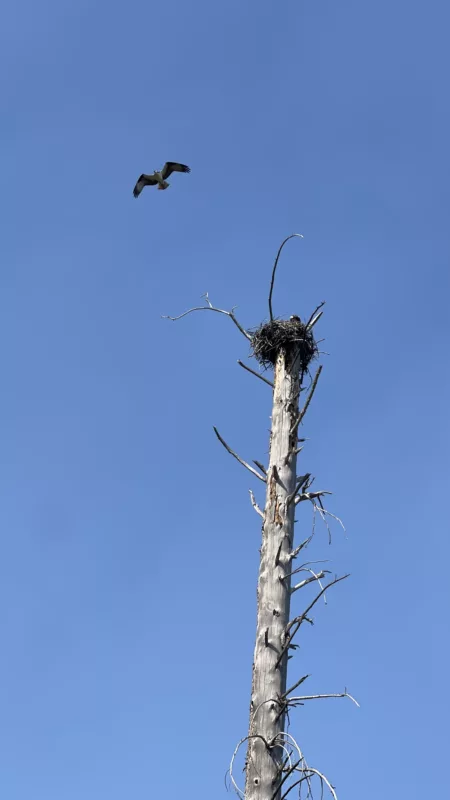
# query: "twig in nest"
210 307
292 236
238 458
261 377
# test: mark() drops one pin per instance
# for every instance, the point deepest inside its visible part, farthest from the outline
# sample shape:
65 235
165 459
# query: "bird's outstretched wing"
173 166
144 180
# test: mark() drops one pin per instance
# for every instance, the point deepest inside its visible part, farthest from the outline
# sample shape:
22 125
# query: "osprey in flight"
159 178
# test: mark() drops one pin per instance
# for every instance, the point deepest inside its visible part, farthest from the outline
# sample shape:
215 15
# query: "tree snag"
267 708
275 764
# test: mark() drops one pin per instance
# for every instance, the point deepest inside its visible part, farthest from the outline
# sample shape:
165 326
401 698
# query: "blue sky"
127 536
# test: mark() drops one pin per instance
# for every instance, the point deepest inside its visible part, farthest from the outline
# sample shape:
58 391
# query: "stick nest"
289 336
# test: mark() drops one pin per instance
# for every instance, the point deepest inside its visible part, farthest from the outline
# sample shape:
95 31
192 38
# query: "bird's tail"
163 185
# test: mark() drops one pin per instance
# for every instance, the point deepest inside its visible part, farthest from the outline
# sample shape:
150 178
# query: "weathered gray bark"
267 717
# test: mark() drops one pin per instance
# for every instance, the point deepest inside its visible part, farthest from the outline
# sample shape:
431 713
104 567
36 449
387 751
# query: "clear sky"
129 549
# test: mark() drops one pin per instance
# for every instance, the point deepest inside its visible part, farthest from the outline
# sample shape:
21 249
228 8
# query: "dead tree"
275 763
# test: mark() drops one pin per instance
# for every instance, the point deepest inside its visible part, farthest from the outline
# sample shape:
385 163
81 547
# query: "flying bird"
159 178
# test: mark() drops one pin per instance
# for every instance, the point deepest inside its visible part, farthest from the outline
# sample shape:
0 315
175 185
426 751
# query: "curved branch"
239 791
275 269
323 780
210 307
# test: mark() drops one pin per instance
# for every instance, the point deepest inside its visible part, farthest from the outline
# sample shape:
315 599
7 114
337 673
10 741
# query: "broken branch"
310 322
238 458
308 400
295 686
260 466
308 580
255 504
298 620
310 496
322 697
300 547
300 483
253 371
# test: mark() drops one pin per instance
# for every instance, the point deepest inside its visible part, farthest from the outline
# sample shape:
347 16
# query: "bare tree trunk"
267 710
275 764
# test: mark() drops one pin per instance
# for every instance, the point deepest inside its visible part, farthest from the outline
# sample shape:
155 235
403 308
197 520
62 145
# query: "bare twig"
298 620
255 504
275 269
310 496
295 686
293 626
308 580
297 783
324 514
323 510
315 316
253 371
286 777
210 307
260 466
322 697
303 567
324 780
313 322
300 547
291 741
308 400
300 483
238 458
